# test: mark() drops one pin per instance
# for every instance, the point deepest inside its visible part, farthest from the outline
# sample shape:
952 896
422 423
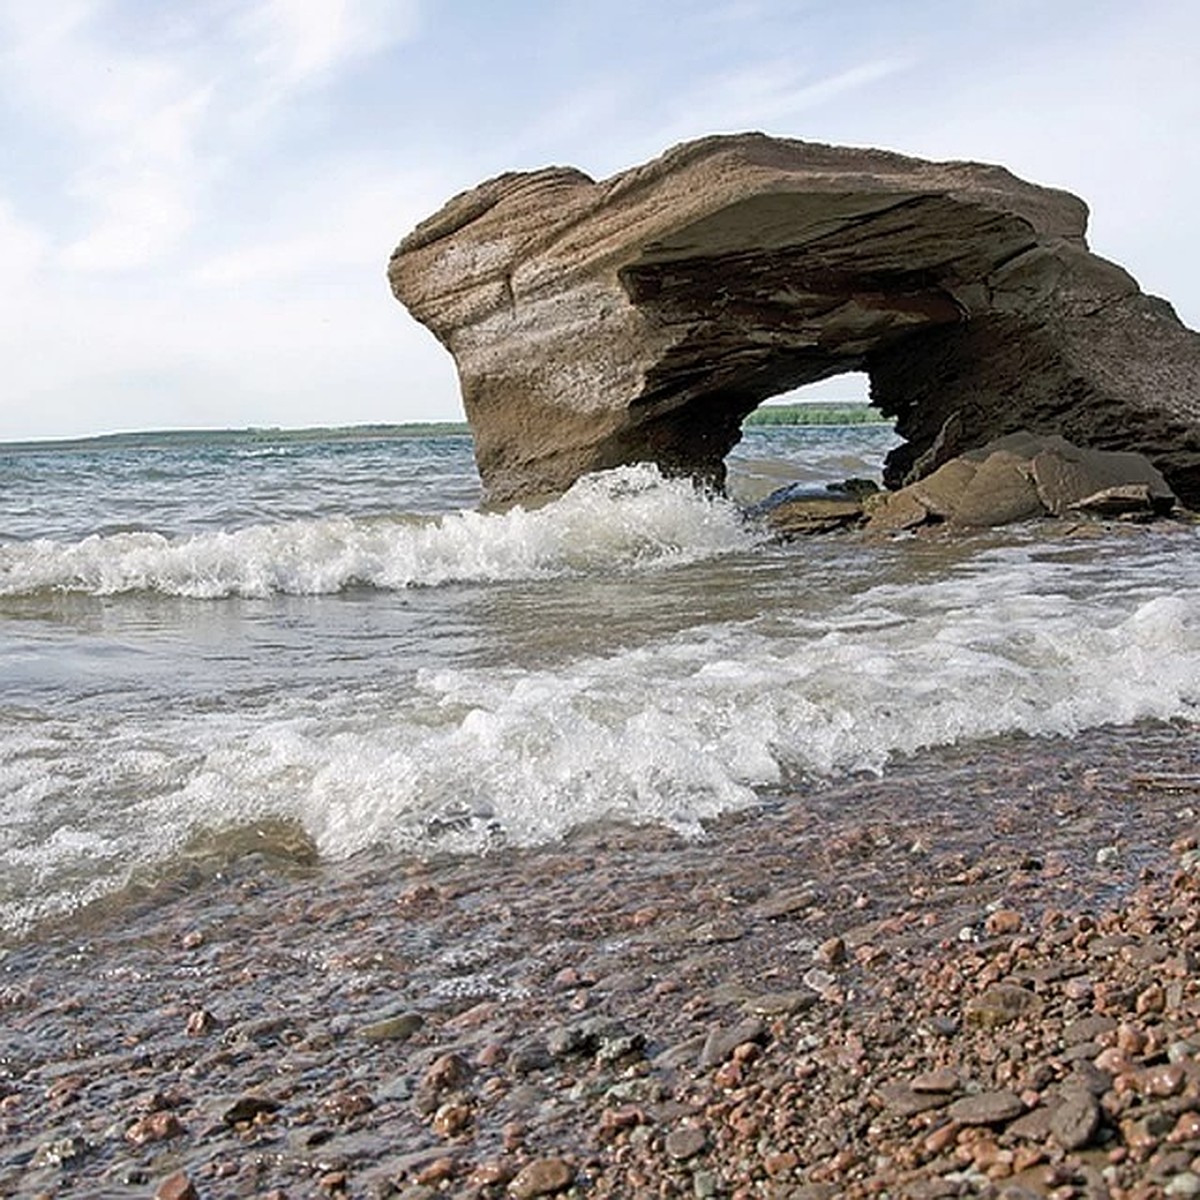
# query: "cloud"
344 224
300 42
776 92
153 112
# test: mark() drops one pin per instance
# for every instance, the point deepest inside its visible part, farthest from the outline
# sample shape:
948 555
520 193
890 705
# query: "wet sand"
974 976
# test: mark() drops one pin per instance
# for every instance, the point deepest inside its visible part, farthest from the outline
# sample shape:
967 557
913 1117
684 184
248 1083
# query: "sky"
199 197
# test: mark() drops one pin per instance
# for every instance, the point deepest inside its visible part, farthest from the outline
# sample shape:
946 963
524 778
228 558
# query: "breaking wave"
614 520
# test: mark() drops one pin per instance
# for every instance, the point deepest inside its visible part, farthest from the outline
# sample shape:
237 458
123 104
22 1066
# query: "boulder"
1020 477
643 317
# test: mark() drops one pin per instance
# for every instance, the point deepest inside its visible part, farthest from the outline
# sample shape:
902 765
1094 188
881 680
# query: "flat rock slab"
986 1108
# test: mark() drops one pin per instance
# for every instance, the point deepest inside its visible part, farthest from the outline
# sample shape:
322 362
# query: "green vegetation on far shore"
817 414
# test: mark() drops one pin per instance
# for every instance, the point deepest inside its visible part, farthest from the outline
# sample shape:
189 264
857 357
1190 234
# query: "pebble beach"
974 975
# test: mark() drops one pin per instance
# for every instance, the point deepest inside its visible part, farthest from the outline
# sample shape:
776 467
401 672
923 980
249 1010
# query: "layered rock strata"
641 318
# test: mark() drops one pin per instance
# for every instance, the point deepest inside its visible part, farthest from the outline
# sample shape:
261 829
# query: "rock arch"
644 316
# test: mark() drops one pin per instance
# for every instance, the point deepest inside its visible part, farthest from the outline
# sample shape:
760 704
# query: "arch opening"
811 440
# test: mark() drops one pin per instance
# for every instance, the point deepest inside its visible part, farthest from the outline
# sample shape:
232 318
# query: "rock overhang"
643 317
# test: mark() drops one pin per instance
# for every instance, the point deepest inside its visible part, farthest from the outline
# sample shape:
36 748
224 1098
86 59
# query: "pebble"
986 1108
941 1080
1075 1121
999 1005
541 1177
392 1029
1003 921
157 1127
685 1142
903 1100
721 1042
1167 1079
176 1187
1088 1029
832 952
199 1023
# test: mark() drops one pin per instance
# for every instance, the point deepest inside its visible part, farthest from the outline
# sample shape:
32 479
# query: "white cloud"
775 91
345 223
300 42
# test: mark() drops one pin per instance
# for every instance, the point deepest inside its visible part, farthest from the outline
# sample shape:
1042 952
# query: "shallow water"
200 633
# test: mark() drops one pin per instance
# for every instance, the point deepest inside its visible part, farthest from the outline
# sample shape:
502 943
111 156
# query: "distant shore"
817 413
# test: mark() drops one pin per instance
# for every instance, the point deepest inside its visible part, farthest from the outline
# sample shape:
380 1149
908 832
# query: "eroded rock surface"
641 318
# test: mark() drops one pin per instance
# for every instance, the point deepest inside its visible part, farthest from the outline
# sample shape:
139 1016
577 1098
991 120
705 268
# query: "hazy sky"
199 197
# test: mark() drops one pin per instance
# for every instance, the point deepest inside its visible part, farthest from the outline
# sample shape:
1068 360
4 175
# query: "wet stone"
176 1187
541 1177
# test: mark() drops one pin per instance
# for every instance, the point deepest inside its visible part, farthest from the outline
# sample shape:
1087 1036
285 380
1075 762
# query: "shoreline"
823 997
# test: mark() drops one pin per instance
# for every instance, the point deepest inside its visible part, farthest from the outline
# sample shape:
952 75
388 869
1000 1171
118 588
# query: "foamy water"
448 679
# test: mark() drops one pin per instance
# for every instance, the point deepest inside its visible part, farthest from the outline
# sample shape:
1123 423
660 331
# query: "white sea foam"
628 517
672 730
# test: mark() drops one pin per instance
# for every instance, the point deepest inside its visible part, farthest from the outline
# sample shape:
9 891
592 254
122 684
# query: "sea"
322 632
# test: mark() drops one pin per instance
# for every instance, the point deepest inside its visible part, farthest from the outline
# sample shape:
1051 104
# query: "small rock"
62 1152
246 1108
773 1004
199 1023
1034 1126
176 1187
1088 1029
685 1142
721 1043
904 1101
541 1177
445 1073
529 1056
986 1108
452 1119
999 1005
1167 1079
1075 1121
942 1080
1187 1128
346 1105
157 1127
715 932
832 953
392 1029
1003 921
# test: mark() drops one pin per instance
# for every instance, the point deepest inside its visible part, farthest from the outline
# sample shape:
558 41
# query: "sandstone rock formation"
641 318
